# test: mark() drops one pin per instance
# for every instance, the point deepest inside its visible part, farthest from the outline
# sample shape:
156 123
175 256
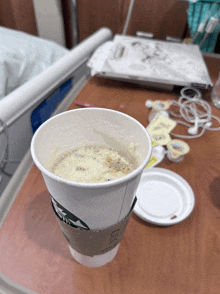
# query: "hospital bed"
50 92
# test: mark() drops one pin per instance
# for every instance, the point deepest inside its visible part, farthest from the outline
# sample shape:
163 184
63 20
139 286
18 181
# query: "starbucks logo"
67 217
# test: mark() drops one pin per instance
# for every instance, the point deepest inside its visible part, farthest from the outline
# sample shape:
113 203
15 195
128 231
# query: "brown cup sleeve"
95 242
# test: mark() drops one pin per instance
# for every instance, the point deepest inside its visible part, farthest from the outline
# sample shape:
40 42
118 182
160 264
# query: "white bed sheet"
24 56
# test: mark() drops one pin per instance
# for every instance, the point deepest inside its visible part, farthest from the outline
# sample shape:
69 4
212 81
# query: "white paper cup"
95 205
95 261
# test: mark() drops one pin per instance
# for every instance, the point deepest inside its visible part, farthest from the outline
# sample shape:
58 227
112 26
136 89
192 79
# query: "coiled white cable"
195 111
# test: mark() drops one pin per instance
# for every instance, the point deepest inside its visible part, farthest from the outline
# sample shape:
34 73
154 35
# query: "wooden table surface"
180 259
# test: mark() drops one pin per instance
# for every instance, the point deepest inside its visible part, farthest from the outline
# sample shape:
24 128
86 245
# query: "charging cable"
213 22
200 29
203 24
128 17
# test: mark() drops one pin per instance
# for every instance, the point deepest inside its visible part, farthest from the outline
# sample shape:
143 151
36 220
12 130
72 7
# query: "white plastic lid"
163 197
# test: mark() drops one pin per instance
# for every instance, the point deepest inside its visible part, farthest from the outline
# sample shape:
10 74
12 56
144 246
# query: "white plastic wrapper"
24 56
